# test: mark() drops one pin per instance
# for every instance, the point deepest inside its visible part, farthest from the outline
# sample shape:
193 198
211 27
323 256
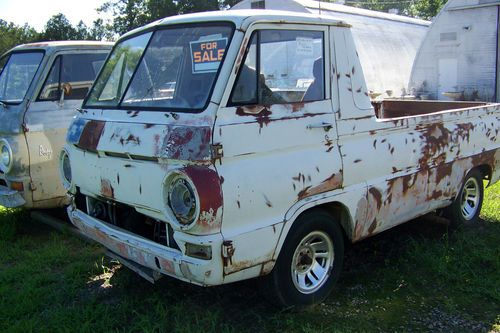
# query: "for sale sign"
207 55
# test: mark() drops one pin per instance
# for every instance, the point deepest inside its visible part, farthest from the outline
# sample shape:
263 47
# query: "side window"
51 89
73 74
281 66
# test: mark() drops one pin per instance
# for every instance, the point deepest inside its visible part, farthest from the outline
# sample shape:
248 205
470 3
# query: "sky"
37 12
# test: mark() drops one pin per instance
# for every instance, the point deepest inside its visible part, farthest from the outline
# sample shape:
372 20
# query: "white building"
459 57
387 43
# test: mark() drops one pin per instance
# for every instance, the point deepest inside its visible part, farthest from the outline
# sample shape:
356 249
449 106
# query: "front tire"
466 207
309 263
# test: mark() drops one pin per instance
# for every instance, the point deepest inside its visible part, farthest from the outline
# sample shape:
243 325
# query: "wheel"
309 263
466 207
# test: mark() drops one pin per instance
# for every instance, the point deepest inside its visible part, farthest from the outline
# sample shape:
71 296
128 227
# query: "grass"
416 277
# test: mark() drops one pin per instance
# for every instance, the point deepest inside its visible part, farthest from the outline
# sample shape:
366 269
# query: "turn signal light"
18 186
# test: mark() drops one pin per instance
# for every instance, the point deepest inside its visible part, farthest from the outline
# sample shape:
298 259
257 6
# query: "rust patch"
130 139
227 253
268 202
332 183
133 114
377 196
107 189
259 112
187 144
91 135
147 126
167 265
208 186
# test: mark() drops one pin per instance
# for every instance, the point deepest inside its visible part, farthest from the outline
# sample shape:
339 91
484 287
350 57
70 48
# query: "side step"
145 272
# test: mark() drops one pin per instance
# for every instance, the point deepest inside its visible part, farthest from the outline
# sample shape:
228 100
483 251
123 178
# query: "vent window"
261 4
448 37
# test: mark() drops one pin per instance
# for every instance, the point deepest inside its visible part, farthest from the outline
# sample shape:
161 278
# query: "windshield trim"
9 54
155 29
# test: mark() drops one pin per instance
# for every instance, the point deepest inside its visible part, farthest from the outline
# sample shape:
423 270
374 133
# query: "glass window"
177 70
113 80
16 75
51 87
73 73
289 67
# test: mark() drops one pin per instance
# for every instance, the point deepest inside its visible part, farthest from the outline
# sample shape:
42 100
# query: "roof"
63 45
333 7
241 18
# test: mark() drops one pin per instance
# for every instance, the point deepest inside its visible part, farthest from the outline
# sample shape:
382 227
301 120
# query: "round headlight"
66 170
182 201
5 156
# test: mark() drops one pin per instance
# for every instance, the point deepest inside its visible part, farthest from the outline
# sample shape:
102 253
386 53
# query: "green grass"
416 277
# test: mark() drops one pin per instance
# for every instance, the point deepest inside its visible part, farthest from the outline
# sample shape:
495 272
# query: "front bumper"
11 198
149 254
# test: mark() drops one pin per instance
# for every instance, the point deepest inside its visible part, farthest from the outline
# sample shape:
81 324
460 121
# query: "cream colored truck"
41 87
224 146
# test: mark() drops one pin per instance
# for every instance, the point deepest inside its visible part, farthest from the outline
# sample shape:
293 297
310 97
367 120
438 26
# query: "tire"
304 274
467 205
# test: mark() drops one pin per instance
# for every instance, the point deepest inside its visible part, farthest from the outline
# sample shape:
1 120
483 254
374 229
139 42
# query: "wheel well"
341 213
485 170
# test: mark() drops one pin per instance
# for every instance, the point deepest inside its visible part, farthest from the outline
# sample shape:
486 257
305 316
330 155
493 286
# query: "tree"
59 28
131 14
12 35
425 9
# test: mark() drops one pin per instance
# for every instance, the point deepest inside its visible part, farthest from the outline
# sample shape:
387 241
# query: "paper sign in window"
207 55
305 46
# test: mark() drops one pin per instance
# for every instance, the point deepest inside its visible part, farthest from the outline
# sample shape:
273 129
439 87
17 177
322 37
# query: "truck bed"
396 108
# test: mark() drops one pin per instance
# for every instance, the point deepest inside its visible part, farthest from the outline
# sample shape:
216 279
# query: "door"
276 128
47 118
448 79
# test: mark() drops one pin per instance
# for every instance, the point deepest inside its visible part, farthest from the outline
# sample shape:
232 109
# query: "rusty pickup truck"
41 86
224 146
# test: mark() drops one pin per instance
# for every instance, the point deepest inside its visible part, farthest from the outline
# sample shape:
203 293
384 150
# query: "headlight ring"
65 169
5 156
182 199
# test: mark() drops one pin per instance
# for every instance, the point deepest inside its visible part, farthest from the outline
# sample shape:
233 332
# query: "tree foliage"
130 14
424 9
12 35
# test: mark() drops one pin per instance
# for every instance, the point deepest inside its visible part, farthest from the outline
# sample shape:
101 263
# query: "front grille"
126 217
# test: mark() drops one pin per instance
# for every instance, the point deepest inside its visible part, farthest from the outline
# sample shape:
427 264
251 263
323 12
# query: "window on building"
281 66
260 4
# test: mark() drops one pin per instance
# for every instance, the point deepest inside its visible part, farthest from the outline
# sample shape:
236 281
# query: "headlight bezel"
67 183
5 168
180 179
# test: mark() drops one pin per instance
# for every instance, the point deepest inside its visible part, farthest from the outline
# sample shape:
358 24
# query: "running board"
145 272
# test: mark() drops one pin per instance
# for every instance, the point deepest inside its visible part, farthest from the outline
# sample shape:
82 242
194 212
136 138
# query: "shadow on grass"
419 276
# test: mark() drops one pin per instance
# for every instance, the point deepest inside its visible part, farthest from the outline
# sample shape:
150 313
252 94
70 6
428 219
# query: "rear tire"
309 263
466 207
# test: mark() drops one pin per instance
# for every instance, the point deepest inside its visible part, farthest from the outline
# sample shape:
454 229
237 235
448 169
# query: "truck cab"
41 86
218 147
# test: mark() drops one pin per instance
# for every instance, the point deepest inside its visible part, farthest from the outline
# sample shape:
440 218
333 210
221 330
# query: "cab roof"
63 45
242 19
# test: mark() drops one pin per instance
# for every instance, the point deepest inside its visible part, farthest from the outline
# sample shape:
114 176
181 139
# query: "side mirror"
66 89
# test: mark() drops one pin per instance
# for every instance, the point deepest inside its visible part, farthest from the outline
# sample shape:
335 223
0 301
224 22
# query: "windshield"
16 73
176 70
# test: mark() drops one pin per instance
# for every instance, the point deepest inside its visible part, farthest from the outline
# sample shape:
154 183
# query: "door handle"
325 126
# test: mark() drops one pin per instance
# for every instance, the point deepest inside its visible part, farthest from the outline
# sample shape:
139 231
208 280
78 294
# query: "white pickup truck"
196 159
41 86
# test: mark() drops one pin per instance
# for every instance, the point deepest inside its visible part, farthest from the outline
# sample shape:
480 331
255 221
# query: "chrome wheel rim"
312 262
470 199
